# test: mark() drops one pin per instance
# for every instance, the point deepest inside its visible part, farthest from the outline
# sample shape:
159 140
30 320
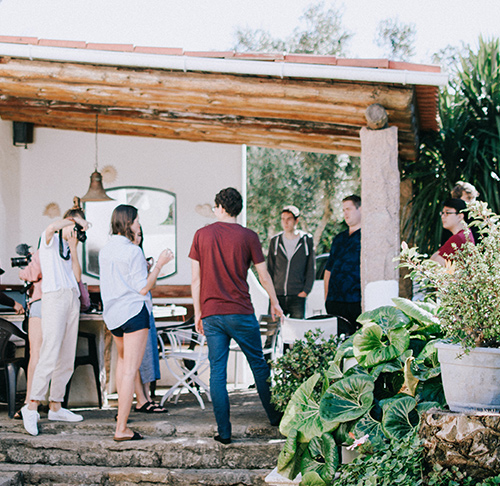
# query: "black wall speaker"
23 133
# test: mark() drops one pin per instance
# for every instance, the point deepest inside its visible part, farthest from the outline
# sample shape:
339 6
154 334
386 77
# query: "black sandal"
150 407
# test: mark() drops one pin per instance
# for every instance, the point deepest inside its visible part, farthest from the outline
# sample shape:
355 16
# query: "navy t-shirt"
344 265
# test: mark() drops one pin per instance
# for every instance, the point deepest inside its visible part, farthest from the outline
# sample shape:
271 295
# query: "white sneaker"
64 415
30 420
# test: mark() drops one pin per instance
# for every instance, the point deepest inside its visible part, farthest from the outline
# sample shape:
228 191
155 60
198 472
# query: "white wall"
57 166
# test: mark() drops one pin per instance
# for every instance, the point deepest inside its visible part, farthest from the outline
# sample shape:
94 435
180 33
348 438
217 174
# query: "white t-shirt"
57 273
123 272
290 245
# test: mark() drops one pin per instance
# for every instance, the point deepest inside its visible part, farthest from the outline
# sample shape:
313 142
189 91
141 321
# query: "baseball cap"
291 209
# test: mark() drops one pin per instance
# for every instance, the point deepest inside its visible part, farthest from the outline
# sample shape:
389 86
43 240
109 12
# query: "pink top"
33 273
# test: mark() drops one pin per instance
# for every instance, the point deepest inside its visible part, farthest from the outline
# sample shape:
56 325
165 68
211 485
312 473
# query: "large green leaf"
368 425
400 417
431 391
321 457
343 351
372 346
302 413
415 310
312 478
387 317
333 373
290 456
347 399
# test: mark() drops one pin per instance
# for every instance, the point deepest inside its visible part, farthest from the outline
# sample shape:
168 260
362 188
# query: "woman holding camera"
60 315
125 285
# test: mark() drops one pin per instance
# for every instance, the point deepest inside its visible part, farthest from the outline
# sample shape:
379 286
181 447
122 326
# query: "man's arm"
195 293
439 259
267 283
326 279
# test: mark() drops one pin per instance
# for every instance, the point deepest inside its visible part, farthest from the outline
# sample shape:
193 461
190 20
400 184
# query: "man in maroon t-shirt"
453 220
221 255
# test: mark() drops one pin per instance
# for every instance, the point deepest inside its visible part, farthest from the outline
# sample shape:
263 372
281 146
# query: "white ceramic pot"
471 381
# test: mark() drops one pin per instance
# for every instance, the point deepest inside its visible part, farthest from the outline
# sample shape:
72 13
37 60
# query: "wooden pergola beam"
294 114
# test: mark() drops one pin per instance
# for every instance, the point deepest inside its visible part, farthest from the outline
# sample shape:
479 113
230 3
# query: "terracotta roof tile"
10 39
366 63
311 59
111 47
214 54
62 43
260 56
408 66
165 51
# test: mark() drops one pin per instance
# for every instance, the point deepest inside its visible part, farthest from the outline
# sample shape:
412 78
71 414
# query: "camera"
81 236
21 261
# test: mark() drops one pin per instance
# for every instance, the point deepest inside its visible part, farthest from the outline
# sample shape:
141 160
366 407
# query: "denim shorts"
136 323
36 308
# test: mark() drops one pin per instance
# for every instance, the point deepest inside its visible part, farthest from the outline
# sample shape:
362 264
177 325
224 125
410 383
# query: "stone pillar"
380 202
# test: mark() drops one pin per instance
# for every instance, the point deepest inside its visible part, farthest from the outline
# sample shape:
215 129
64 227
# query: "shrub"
299 363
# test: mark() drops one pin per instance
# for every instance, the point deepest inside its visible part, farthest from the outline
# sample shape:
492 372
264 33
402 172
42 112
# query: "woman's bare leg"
131 347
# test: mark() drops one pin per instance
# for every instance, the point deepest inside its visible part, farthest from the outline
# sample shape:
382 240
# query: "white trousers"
60 316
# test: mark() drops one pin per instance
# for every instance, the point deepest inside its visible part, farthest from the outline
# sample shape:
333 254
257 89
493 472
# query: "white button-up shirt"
123 273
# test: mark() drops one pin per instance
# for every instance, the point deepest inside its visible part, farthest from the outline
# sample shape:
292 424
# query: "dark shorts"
136 323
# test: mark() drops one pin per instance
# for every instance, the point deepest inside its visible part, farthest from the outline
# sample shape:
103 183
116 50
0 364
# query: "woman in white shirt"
125 284
60 316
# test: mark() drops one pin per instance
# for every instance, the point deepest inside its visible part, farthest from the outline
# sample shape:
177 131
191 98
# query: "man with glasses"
453 220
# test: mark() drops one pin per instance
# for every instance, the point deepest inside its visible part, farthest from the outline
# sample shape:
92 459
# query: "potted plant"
467 291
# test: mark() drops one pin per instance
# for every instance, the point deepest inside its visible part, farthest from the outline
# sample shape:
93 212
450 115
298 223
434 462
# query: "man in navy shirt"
342 271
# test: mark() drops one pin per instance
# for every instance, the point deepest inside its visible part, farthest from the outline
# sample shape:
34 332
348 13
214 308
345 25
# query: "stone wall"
469 441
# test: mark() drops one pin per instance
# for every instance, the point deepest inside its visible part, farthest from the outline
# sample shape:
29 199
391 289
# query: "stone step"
150 426
28 475
172 452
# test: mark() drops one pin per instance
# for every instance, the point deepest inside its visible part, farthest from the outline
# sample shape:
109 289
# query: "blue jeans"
150 366
244 329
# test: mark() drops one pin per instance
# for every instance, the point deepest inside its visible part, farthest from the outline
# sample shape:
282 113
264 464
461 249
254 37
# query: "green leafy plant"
469 288
395 376
299 363
401 462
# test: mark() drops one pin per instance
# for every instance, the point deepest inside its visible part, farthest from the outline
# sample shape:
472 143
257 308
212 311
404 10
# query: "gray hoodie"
290 277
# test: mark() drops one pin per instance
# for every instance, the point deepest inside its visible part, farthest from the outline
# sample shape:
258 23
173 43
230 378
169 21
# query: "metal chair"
186 357
10 364
91 358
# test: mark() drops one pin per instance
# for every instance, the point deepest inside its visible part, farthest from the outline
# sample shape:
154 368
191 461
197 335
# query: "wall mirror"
157 215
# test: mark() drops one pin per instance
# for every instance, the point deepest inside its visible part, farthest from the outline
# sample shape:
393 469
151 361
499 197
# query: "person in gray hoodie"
291 264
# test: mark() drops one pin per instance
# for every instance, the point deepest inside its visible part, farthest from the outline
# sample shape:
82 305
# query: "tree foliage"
320 32
316 183
397 39
467 146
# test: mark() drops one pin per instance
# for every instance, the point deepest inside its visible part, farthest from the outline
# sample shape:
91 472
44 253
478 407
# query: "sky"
211 24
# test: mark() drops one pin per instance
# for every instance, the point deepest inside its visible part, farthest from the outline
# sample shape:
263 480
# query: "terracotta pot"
471 381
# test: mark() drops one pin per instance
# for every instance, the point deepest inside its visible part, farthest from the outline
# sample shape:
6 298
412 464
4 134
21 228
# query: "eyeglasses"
446 213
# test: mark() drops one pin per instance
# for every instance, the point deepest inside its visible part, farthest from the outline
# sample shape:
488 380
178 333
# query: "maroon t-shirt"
225 252
454 243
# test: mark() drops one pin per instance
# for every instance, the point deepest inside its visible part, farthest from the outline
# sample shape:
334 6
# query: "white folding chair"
186 357
294 329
